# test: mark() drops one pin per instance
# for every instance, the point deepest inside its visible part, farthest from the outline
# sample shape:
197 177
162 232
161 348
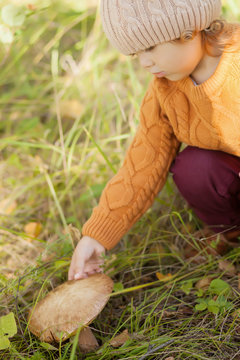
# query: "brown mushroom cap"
70 305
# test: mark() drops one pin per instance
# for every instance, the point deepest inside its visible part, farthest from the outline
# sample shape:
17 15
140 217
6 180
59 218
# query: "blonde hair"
218 36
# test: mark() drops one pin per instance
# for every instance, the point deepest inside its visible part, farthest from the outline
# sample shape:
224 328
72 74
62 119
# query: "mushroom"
70 305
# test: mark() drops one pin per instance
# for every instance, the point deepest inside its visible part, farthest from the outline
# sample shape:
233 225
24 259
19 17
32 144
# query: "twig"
152 350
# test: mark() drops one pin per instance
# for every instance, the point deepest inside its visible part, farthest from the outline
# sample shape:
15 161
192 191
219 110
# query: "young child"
193 98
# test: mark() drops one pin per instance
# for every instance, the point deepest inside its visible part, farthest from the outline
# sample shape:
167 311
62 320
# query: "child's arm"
129 194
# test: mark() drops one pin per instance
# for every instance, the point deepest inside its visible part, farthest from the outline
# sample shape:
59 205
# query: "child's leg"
209 181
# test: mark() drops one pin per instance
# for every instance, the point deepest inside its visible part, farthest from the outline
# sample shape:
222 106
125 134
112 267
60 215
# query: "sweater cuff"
105 230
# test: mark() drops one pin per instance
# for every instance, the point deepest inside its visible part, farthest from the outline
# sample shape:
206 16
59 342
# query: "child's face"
177 60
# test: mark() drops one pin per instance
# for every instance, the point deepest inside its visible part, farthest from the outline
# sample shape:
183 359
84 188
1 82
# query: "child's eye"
150 48
133 55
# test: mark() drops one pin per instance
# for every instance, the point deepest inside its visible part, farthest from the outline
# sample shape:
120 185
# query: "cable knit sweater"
206 116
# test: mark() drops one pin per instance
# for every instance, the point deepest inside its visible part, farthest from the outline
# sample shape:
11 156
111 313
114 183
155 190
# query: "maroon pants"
209 181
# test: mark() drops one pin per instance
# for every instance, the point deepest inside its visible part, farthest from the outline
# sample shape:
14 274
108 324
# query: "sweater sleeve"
129 194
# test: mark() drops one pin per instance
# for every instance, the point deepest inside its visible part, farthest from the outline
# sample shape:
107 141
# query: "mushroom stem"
87 341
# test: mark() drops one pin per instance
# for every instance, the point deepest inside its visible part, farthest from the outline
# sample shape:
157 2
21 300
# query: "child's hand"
86 258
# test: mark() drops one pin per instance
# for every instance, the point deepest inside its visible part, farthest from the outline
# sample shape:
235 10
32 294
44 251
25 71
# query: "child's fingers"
94 271
78 276
71 271
79 270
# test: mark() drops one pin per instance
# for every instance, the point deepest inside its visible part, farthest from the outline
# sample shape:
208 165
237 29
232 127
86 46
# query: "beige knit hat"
134 25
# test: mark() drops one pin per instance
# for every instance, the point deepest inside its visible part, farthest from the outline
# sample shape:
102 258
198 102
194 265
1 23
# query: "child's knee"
200 171
190 168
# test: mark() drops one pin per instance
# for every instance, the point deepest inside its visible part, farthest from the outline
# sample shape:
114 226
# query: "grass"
69 109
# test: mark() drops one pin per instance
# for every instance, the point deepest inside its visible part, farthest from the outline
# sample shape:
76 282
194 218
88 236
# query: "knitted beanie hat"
135 25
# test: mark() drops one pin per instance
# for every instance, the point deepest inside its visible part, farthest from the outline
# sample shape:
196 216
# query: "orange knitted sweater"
206 116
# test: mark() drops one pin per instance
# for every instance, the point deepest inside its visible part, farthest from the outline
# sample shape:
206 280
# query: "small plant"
218 289
8 328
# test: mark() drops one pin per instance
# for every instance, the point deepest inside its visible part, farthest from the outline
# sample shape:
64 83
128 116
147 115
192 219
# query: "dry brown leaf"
7 207
170 358
226 266
120 339
163 277
203 283
33 229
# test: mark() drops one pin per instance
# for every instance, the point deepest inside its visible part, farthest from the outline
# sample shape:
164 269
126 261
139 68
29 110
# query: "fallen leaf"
33 229
203 283
120 339
163 277
226 266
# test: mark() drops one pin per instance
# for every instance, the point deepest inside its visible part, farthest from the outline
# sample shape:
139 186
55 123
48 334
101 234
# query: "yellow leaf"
163 277
120 339
33 229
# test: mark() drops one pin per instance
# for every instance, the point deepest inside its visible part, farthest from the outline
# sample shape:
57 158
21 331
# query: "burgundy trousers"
210 183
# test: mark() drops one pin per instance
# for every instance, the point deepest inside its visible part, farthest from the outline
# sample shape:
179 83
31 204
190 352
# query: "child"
193 98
